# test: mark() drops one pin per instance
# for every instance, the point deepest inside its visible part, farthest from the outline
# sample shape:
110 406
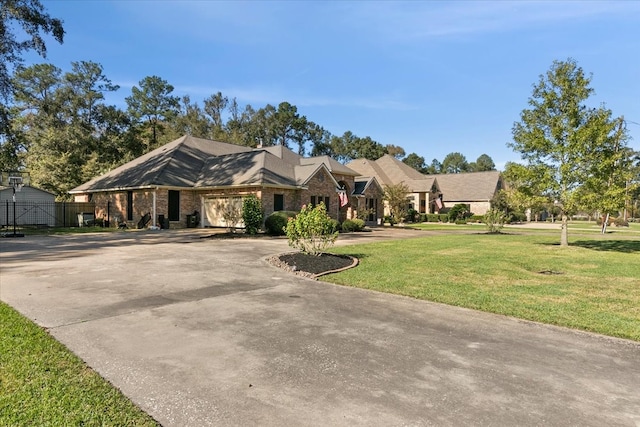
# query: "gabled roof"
469 186
362 183
366 167
245 169
397 170
390 171
190 162
332 165
282 152
176 164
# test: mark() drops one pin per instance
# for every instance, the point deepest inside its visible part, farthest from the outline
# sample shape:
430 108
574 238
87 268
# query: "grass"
593 285
42 383
32 231
575 226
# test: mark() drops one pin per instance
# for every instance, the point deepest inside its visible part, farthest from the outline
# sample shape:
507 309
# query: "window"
372 205
174 205
129 205
278 202
316 200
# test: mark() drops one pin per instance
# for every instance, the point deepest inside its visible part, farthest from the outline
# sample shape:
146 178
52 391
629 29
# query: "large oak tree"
573 148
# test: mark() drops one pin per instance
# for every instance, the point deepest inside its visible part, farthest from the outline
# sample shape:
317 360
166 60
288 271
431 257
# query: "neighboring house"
387 170
368 194
475 189
33 207
192 177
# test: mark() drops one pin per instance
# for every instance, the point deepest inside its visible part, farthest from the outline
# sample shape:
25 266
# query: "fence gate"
43 214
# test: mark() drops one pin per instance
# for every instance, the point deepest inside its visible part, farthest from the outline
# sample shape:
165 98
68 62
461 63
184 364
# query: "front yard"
594 285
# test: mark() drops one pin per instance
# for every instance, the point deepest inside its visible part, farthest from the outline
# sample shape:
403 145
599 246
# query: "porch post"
154 208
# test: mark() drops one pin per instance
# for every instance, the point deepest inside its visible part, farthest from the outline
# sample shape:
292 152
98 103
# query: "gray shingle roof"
470 186
332 164
366 167
390 171
199 163
176 164
245 169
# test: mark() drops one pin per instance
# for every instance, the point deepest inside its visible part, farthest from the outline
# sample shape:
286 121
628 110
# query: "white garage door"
218 211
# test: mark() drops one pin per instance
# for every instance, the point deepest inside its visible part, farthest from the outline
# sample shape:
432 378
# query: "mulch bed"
312 265
297 262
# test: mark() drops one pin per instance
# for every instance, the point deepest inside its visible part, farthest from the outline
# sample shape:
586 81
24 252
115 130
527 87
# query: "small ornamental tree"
252 214
397 198
494 219
312 230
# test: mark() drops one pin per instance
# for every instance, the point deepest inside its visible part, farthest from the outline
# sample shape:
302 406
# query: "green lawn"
43 384
593 285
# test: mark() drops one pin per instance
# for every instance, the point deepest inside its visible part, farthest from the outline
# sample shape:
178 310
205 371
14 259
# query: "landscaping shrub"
443 218
476 218
350 225
411 215
513 217
252 214
494 219
433 217
389 219
277 221
459 212
620 222
423 217
311 230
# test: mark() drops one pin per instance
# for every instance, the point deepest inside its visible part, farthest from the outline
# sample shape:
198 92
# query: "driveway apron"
205 332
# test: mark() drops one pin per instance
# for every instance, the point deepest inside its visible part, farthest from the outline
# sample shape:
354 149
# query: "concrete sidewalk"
205 332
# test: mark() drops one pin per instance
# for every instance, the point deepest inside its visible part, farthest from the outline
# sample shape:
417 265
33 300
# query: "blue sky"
431 77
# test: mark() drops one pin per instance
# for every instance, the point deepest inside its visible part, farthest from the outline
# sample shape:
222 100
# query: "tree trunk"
564 234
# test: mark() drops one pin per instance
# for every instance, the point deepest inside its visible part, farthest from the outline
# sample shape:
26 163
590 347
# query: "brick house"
475 189
423 190
193 180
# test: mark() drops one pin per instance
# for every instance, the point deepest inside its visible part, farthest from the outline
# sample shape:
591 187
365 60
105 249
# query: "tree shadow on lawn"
626 246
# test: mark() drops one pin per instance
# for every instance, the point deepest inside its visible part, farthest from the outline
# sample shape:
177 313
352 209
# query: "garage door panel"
216 207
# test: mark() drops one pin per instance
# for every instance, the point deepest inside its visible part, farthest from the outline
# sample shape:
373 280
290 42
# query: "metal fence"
46 214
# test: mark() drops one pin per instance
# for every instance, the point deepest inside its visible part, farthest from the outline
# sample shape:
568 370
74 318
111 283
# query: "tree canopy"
574 153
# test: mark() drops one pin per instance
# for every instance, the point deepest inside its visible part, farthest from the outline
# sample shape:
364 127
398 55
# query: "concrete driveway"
204 332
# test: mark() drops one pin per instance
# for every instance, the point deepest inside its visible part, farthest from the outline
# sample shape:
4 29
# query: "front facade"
387 170
475 189
195 182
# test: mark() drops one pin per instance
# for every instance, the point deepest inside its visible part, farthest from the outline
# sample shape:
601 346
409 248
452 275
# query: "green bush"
620 222
311 230
252 214
433 217
443 218
352 225
277 221
476 218
389 219
423 217
513 217
411 215
494 219
459 212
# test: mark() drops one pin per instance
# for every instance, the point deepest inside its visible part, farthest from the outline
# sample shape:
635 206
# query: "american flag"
343 198
439 203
